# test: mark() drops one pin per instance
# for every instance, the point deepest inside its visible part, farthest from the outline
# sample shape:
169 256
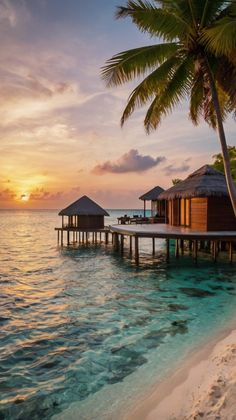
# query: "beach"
204 387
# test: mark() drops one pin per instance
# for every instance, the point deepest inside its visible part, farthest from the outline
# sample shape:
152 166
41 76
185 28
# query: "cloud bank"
131 161
175 169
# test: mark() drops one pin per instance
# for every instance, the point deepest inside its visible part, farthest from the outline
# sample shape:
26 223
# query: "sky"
60 134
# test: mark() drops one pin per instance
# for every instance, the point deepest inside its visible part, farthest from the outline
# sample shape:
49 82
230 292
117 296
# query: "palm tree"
195 61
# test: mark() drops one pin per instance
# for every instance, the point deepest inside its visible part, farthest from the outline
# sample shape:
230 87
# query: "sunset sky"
60 125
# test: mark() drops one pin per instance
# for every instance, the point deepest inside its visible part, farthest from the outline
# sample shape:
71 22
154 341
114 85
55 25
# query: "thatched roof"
153 194
83 207
205 182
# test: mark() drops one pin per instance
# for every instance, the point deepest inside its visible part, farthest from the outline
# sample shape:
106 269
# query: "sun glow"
25 197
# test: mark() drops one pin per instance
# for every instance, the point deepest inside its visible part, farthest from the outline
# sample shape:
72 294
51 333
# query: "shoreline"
203 386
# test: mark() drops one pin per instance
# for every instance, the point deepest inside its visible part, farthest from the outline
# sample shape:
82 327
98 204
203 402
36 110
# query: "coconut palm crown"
195 61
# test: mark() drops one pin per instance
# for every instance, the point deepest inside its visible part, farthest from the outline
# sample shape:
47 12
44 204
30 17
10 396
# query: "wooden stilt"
195 249
116 241
58 237
167 249
122 244
62 238
106 238
177 248
182 246
153 246
214 250
83 237
100 236
87 238
231 252
130 244
136 250
68 237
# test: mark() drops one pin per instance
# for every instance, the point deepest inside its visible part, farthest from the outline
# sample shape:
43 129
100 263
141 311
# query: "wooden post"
195 249
153 246
106 238
87 238
136 250
121 244
96 238
68 237
130 244
177 248
116 241
83 237
182 246
62 238
167 249
230 252
58 236
144 210
214 250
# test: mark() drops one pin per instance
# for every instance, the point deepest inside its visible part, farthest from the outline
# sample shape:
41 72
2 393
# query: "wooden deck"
181 235
171 232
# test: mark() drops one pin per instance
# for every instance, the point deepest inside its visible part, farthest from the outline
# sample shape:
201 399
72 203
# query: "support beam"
106 237
122 244
230 252
68 237
58 237
136 250
195 249
130 244
167 249
153 246
115 241
177 248
62 237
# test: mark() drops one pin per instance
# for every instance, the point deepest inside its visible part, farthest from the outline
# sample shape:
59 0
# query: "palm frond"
176 89
127 65
220 38
156 21
150 86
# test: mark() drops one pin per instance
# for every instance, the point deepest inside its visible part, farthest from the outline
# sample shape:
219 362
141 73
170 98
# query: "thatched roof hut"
157 207
200 202
84 206
84 213
152 195
205 182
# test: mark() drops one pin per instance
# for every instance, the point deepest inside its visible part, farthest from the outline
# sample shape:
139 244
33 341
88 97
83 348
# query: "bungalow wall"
202 213
86 222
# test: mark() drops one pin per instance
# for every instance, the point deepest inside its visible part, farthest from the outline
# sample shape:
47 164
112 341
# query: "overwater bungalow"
201 202
84 213
83 217
157 206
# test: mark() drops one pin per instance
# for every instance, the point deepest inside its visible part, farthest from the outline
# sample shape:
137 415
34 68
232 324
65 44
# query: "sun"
25 197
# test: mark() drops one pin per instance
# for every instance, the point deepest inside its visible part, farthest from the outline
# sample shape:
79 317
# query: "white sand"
203 388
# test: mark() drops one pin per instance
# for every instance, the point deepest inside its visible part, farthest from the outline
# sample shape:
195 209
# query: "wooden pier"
82 236
185 239
194 241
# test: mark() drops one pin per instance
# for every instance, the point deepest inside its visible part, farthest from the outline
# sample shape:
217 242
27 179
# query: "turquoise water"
83 328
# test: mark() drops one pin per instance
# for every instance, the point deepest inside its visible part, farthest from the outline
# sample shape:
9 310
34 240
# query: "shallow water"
87 327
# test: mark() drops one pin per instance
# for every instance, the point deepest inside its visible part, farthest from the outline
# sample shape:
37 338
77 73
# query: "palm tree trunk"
221 132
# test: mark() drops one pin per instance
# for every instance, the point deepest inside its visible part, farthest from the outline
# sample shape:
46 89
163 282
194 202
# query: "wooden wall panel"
220 214
91 222
199 213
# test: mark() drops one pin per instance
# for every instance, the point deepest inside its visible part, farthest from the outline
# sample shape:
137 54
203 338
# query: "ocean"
85 330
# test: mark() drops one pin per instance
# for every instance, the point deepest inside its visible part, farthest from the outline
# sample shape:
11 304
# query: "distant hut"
157 206
200 202
84 214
